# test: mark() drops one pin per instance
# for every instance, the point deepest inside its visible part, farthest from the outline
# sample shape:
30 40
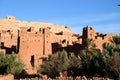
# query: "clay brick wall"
33 40
98 38
31 46
9 41
7 77
47 42
65 38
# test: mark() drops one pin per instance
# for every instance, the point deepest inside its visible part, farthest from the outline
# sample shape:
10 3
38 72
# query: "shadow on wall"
75 48
7 49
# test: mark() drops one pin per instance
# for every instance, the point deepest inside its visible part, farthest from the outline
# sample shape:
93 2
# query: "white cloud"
88 18
104 23
102 17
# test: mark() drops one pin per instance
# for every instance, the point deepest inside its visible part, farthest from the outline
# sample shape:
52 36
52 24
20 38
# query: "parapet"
10 18
88 28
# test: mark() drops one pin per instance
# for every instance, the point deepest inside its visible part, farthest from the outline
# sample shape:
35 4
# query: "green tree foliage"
90 61
55 63
114 51
109 47
88 43
74 65
105 63
74 61
58 62
10 64
3 64
116 65
93 61
116 40
115 58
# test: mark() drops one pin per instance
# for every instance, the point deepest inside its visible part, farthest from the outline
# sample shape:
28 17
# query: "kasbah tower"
33 41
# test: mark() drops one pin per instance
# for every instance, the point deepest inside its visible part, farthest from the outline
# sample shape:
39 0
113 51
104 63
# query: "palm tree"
88 54
88 43
58 62
116 40
114 47
110 56
109 47
116 65
116 56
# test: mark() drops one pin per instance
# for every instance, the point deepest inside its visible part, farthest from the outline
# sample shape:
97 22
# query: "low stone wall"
44 77
7 77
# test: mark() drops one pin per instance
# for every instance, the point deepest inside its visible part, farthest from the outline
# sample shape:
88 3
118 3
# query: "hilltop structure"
34 41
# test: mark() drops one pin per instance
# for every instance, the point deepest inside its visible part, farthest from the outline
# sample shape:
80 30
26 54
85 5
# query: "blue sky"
102 15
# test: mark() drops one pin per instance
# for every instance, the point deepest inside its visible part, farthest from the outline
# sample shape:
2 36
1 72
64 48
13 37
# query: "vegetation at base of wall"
10 64
89 62
58 62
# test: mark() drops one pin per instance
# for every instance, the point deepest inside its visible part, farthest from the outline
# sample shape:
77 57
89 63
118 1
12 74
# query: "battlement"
88 28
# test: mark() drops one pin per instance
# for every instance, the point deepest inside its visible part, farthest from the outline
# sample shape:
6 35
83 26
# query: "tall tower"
88 32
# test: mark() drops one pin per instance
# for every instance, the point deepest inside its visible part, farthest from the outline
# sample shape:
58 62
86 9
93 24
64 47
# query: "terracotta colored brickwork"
34 40
7 77
98 38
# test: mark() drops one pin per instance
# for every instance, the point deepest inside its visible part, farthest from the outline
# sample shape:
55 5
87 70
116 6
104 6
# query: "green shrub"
58 62
10 64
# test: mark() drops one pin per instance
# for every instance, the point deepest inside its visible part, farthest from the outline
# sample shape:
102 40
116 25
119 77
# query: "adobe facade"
33 41
98 38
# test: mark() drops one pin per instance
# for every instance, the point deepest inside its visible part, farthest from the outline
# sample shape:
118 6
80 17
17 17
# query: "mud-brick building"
9 41
98 38
33 41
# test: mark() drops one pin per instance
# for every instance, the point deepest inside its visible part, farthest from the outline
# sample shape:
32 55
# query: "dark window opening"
95 37
32 61
29 30
64 41
2 44
43 31
67 42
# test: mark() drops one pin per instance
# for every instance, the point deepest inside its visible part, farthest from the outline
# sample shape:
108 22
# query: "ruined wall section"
98 38
8 41
10 23
58 28
8 38
88 32
64 38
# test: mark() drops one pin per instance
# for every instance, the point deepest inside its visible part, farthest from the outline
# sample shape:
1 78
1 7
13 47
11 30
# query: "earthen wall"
34 41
